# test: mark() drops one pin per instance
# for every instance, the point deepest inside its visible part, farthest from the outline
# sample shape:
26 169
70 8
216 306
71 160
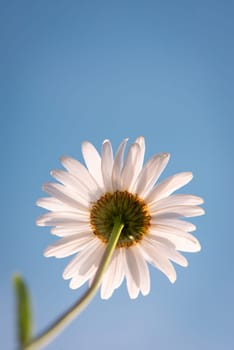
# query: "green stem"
46 336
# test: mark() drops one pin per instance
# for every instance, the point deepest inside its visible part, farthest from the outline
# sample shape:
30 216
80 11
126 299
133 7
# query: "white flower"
82 207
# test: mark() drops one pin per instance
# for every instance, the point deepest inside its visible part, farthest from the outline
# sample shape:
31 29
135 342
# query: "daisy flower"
86 200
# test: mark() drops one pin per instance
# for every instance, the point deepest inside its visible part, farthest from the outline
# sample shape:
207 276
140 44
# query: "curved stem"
49 333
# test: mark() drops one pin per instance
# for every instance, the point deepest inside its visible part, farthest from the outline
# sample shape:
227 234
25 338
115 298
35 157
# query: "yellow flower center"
132 210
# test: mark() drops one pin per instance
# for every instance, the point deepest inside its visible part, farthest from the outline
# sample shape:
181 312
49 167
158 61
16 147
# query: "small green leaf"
23 310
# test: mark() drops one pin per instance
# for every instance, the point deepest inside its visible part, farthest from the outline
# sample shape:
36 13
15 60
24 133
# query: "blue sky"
89 70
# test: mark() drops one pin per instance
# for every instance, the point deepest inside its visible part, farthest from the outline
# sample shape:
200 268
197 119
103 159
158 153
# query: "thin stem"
53 330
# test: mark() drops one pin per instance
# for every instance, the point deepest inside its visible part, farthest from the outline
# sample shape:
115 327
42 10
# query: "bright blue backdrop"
90 70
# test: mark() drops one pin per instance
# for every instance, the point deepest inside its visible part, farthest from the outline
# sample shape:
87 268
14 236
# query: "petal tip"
165 155
105 297
46 252
133 296
63 158
140 139
65 276
196 248
45 186
40 222
38 202
173 279
86 144
71 285
189 174
145 292
202 201
202 211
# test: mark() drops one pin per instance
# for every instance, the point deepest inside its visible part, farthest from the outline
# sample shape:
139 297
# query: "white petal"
183 241
83 257
168 186
119 277
154 256
118 164
78 280
61 218
65 195
176 199
133 266
79 170
107 165
150 174
166 248
74 184
131 168
61 231
93 161
68 246
159 241
183 210
131 275
165 216
108 283
143 271
53 204
178 258
93 260
141 142
180 224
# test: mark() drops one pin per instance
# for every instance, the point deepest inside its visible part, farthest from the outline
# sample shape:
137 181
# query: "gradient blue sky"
90 70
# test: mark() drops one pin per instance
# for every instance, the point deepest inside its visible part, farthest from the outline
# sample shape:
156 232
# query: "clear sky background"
89 70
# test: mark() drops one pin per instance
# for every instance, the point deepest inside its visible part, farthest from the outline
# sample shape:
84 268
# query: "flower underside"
132 211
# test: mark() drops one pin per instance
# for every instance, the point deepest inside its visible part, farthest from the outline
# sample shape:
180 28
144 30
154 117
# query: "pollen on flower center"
130 208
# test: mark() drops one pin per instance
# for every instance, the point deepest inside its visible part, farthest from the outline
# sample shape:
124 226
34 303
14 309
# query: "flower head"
85 202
